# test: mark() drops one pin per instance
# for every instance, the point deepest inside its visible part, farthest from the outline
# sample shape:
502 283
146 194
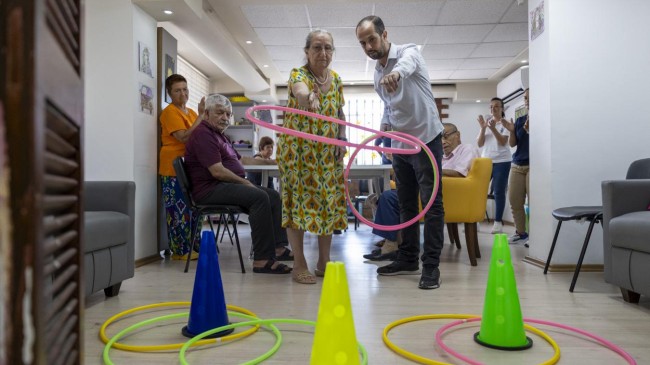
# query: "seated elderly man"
215 169
456 161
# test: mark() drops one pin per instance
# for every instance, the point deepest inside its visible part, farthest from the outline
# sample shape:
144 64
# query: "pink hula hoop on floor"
398 136
609 345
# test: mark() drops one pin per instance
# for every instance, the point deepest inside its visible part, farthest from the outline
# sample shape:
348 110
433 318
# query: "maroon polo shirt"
206 147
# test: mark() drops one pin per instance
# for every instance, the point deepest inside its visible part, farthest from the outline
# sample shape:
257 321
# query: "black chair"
230 211
639 169
358 205
594 214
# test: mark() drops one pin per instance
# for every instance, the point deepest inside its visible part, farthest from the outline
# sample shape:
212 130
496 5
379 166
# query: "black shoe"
376 255
430 278
337 231
400 268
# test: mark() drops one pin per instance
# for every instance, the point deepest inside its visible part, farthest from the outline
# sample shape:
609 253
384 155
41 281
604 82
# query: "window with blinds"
366 111
197 83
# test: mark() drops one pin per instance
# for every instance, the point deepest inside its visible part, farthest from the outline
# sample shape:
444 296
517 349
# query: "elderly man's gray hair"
215 100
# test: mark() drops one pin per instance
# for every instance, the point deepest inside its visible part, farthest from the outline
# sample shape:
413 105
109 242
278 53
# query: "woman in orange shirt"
177 122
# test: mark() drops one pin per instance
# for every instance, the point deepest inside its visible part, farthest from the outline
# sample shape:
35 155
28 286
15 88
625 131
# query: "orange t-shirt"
173 119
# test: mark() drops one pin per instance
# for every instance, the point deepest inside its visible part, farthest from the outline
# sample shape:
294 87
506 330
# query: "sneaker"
400 268
430 278
497 227
376 255
518 238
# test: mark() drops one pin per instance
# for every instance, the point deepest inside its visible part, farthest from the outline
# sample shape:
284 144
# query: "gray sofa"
109 235
626 236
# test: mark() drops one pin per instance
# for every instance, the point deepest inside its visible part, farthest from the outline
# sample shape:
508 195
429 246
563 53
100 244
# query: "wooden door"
42 97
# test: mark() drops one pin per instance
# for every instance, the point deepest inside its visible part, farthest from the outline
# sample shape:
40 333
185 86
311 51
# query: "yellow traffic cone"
335 342
502 324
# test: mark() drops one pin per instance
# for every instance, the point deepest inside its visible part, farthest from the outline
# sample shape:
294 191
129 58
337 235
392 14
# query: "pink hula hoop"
425 209
598 339
402 137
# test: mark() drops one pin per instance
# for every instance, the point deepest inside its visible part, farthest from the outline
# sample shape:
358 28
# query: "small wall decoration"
146 99
144 59
537 21
170 65
170 69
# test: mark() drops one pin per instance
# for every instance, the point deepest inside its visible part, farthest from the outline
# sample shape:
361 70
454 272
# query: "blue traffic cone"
208 309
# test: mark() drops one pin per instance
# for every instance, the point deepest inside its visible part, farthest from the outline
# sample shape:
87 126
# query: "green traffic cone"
502 324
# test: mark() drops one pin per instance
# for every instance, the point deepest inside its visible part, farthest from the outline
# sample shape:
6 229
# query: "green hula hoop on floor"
264 322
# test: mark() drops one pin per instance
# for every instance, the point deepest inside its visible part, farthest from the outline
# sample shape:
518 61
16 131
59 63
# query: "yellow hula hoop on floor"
423 360
172 346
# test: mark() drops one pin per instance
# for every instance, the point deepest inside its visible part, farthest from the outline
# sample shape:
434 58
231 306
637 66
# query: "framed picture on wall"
170 69
537 21
146 99
144 59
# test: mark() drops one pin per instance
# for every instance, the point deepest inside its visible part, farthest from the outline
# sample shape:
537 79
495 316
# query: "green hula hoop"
135 326
270 322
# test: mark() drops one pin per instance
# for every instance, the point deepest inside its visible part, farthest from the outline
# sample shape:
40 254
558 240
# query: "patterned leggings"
178 218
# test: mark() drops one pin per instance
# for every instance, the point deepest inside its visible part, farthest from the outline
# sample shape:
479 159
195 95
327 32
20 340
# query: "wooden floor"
377 301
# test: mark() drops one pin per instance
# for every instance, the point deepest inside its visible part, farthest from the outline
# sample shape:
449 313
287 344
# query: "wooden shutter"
42 94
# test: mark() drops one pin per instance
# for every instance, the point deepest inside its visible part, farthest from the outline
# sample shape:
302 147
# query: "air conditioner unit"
513 85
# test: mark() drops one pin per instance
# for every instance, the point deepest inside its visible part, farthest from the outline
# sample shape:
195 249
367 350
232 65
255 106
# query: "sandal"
304 277
268 268
286 255
319 273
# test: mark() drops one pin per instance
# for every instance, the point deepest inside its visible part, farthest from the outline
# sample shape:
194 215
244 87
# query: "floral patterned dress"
312 179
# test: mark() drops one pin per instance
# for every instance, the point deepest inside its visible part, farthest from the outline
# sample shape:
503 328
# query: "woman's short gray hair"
215 100
311 35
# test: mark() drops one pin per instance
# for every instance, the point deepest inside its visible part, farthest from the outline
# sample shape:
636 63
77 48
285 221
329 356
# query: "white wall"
589 77
145 137
464 116
120 140
108 72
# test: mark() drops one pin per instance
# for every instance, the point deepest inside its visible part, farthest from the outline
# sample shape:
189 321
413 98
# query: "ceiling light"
265 66
249 42
168 12
264 101
478 100
352 83
524 61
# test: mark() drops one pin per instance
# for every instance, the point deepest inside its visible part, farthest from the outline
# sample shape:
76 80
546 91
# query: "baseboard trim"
562 267
147 260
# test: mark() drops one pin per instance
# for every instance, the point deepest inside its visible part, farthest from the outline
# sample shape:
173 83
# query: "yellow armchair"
464 200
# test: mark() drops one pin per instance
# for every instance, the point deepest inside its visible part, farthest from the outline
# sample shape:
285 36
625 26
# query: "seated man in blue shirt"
215 170
456 161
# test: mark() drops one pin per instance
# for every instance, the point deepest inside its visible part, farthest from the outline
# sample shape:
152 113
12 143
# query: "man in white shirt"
402 82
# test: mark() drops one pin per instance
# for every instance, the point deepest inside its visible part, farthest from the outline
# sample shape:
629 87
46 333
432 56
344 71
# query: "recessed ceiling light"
352 83
168 12
478 100
265 66
264 101
524 61
249 42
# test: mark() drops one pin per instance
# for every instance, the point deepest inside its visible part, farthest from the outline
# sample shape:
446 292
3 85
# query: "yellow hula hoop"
423 360
172 346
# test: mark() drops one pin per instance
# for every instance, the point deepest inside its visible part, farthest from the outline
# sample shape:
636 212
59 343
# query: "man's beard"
375 55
